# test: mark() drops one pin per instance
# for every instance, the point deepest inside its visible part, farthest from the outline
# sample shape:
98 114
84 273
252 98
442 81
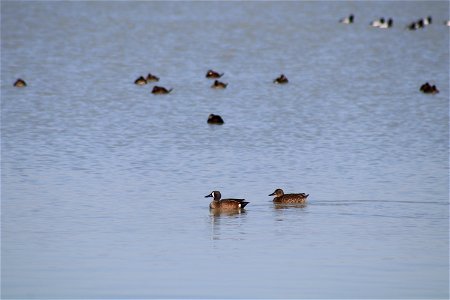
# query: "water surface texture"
103 183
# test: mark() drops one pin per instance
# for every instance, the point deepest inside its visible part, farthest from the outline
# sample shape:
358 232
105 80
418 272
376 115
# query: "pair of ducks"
282 79
381 23
429 89
217 84
152 78
236 204
420 23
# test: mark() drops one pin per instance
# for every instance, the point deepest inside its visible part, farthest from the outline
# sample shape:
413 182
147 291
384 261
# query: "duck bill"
273 194
208 196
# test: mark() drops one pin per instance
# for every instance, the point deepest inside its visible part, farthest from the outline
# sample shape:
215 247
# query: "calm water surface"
103 183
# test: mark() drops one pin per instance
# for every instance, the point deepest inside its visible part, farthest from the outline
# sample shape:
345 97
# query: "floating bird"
377 23
160 90
426 88
215 119
347 20
281 80
213 74
152 78
281 197
20 83
140 81
225 204
219 85
421 23
387 24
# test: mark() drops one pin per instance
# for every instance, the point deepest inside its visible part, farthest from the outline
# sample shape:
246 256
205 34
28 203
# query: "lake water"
103 183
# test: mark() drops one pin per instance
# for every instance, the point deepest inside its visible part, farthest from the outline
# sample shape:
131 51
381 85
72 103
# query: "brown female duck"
281 197
140 81
160 90
20 83
152 78
219 85
213 74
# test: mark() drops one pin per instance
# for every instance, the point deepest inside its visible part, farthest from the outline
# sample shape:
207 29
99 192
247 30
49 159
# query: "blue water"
103 183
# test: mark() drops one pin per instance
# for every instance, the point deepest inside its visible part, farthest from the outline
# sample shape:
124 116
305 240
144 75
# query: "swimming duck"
213 74
152 78
447 23
377 23
347 20
420 23
225 204
215 119
281 197
160 90
219 85
426 88
281 80
20 83
387 24
140 81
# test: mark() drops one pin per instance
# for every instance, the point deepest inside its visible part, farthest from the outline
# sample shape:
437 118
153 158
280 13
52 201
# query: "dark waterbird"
20 83
426 88
160 90
219 85
213 74
152 78
281 79
215 119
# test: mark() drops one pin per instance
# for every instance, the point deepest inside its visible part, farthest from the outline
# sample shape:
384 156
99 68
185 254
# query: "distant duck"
219 85
377 23
213 74
20 83
347 20
160 90
413 26
215 119
447 23
281 197
140 81
281 80
426 88
420 23
152 78
387 24
225 204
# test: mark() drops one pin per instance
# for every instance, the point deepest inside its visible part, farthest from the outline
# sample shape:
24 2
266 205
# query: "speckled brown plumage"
281 197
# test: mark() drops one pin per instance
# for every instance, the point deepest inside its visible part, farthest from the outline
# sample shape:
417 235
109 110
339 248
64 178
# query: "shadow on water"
279 206
231 221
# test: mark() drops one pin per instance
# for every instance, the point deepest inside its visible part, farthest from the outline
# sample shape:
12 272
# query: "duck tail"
243 204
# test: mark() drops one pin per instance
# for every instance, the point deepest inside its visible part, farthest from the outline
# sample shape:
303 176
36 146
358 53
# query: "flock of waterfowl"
384 24
280 197
426 88
210 74
232 204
